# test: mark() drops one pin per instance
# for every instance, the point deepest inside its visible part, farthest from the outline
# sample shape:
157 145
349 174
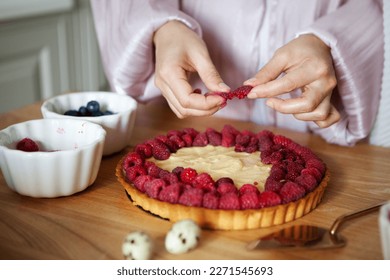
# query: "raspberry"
168 142
273 185
268 199
134 171
27 145
271 157
188 139
170 193
191 131
249 200
242 139
229 200
278 172
177 170
153 187
265 140
282 140
248 188
229 134
314 172
316 163
178 142
210 200
307 181
252 145
153 170
140 181
160 150
192 197
144 149
170 178
200 140
214 137
293 170
226 187
132 159
188 175
291 192
204 181
224 180
174 133
241 92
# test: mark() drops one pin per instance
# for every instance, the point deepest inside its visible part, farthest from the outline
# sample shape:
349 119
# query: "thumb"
211 78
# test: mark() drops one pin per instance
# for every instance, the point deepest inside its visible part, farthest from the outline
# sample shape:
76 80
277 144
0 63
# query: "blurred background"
46 48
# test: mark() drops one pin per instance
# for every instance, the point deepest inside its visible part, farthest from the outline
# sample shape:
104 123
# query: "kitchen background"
46 48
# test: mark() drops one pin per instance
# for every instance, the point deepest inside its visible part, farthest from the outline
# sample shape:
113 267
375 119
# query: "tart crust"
220 219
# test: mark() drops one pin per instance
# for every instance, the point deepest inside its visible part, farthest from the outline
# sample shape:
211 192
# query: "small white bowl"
119 126
384 225
67 162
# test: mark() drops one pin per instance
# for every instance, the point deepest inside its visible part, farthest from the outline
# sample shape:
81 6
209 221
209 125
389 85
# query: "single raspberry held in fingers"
241 92
27 145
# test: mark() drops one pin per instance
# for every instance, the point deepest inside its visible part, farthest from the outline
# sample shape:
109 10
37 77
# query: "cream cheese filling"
218 161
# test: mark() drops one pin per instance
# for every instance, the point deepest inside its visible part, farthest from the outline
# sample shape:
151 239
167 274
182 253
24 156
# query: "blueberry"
93 106
73 113
97 114
83 111
108 112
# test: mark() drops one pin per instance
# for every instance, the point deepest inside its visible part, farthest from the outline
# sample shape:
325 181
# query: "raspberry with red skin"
144 149
241 92
273 185
314 172
224 180
226 187
153 187
204 181
174 132
160 150
177 170
253 145
132 159
268 199
178 142
188 139
191 131
291 192
135 171
170 178
153 169
168 142
282 140
265 140
293 170
278 172
248 188
200 140
27 145
316 163
191 197
271 157
171 193
307 181
229 200
139 182
188 175
214 137
243 139
229 134
210 200
249 200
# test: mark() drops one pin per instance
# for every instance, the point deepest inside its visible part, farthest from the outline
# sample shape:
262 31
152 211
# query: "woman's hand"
307 64
179 52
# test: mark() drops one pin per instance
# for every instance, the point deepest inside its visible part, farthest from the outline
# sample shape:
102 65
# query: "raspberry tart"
227 180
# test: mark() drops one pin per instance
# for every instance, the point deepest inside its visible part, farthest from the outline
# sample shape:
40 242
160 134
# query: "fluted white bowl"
119 126
68 161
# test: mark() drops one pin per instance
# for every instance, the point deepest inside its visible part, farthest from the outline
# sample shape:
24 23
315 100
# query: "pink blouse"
242 36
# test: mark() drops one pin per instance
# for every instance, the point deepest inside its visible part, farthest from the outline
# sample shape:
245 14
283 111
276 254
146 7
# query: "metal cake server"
309 237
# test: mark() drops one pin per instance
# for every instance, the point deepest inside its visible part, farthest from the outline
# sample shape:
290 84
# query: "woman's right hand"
179 52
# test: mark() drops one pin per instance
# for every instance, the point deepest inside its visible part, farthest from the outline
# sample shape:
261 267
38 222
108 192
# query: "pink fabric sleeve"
125 31
354 33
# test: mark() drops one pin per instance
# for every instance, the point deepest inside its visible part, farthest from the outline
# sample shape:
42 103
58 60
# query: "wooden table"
93 223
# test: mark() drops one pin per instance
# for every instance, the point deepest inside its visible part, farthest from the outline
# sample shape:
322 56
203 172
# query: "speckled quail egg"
137 246
183 237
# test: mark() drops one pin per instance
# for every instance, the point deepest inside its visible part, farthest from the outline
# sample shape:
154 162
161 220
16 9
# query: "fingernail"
224 86
270 104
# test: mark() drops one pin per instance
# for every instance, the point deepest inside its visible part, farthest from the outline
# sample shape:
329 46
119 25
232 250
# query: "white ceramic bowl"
119 126
384 225
68 161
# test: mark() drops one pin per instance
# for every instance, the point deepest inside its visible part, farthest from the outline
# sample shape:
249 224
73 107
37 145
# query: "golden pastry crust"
220 219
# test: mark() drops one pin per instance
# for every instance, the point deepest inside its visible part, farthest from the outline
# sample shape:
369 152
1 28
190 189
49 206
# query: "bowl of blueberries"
114 112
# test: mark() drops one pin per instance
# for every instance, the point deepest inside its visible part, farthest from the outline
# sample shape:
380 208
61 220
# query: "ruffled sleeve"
354 33
125 31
